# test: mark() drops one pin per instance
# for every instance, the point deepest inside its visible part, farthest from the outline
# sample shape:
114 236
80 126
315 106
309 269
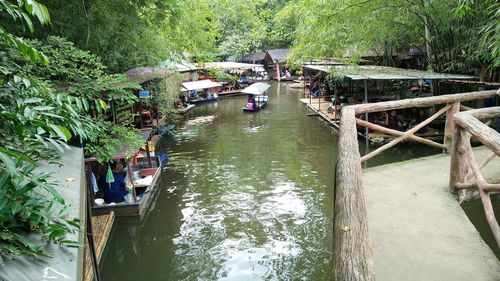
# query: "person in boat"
251 100
115 192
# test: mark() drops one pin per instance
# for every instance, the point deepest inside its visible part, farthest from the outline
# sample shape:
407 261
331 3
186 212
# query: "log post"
278 73
459 164
352 250
450 125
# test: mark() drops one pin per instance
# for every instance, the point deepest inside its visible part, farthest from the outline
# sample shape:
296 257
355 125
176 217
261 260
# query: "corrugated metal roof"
65 263
233 65
374 72
258 56
200 84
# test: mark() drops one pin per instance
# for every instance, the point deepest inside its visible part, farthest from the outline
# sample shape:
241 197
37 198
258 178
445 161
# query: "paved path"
418 230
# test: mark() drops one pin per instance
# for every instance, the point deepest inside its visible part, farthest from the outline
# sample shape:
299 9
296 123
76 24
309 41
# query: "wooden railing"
464 166
352 250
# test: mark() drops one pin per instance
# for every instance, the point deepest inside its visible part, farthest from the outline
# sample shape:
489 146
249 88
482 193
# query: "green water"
246 196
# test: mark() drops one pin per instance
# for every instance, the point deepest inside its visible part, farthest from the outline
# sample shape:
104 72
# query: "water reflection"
245 197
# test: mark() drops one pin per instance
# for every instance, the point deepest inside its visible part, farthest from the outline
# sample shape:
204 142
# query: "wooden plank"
102 226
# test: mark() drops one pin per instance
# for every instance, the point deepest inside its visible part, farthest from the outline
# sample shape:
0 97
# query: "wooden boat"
186 109
201 91
257 92
143 193
149 169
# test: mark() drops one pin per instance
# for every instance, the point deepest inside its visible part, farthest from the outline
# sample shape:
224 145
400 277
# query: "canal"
245 196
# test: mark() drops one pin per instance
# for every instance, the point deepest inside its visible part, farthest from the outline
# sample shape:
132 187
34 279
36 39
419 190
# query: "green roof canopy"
374 72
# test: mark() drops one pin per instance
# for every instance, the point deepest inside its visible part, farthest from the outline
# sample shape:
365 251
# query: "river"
245 196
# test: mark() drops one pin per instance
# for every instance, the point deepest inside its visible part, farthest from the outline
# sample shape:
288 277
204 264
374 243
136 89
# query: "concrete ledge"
417 228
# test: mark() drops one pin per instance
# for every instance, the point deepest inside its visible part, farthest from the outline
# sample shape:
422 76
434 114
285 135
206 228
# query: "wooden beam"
449 128
405 135
486 135
459 164
421 102
385 130
352 250
485 113
485 197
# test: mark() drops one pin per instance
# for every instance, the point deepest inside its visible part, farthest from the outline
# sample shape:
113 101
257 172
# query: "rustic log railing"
352 250
469 124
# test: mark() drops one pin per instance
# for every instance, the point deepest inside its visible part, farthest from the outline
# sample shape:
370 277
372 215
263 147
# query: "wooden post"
148 154
450 125
129 170
352 251
366 114
459 164
276 63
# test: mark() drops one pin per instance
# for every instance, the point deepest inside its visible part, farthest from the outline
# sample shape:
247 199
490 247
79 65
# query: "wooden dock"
321 108
418 229
101 225
231 93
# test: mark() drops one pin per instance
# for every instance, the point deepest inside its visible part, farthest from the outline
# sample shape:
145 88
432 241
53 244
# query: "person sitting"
391 120
401 123
417 119
114 192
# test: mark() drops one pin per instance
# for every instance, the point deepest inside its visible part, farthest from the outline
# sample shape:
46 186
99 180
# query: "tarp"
256 88
200 85
374 72
228 65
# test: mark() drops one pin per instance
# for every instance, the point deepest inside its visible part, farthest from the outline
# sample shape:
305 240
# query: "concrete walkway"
417 228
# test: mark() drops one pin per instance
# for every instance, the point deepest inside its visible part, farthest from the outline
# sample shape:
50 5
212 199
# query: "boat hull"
196 102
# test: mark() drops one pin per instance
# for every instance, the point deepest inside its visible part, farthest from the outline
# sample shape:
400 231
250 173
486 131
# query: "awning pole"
366 114
129 170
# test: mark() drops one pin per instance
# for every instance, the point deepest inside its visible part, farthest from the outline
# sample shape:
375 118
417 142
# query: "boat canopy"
200 85
375 72
256 88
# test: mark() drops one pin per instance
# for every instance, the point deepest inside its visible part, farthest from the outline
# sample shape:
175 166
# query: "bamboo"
404 135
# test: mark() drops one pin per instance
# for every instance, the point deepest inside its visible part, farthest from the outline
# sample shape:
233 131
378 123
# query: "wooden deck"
418 229
231 93
101 225
314 104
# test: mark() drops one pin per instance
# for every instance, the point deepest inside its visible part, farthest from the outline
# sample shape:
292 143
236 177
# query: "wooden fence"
352 250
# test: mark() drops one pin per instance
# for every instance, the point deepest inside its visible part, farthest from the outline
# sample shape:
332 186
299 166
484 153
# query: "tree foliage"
46 100
352 28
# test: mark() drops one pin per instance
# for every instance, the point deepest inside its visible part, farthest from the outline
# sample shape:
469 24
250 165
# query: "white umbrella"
256 88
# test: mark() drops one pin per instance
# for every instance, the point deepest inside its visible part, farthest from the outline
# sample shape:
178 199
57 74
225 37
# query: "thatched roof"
143 74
